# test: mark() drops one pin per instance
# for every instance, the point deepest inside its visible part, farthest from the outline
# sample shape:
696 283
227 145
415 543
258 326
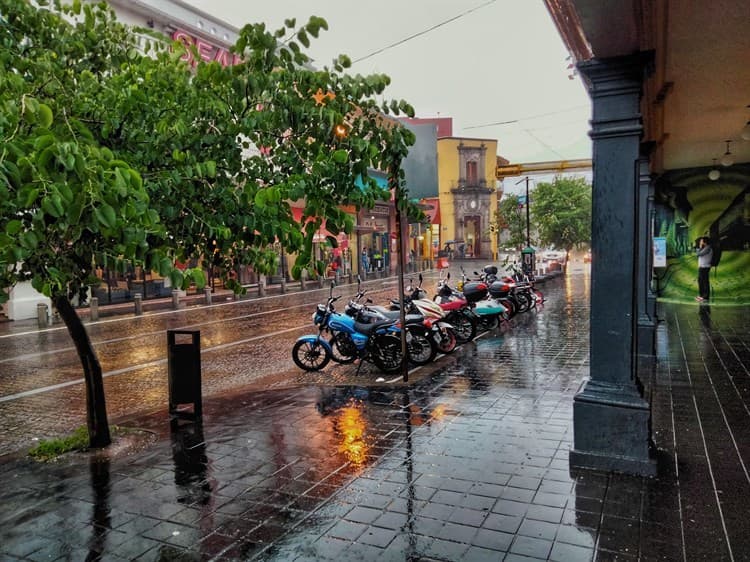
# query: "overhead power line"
574 108
410 37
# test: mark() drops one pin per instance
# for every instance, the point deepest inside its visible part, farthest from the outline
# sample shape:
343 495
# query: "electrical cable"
402 41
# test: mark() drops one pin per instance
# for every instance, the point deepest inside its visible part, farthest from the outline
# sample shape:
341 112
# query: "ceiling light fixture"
727 159
714 174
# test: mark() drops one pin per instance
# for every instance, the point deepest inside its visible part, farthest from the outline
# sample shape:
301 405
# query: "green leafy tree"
63 197
111 157
561 211
510 217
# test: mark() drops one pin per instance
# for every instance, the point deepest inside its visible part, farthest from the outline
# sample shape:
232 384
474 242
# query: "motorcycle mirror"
448 276
368 301
420 278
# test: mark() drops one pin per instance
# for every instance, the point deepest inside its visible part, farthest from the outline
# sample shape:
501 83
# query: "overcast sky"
496 61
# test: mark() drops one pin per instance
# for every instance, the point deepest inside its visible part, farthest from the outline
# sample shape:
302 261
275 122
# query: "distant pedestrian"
365 260
705 256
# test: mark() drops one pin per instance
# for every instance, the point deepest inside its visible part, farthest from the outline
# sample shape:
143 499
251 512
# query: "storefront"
375 241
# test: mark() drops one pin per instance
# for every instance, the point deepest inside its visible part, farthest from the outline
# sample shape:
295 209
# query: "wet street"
243 343
467 461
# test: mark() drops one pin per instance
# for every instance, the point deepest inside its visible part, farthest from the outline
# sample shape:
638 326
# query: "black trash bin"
184 367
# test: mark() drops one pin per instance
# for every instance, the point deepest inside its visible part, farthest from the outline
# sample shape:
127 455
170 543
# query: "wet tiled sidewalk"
470 463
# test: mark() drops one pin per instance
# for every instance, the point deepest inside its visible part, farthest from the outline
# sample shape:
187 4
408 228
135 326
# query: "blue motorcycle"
378 341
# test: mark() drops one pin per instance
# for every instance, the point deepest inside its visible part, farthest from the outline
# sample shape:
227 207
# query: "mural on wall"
688 206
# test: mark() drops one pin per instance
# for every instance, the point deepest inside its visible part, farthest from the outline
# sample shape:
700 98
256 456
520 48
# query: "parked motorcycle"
377 342
490 310
441 331
421 347
458 311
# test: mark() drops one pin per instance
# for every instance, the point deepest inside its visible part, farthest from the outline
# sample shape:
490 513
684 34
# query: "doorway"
472 236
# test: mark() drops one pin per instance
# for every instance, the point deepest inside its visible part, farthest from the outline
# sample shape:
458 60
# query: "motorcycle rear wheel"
310 355
420 347
343 349
464 324
489 322
385 353
447 341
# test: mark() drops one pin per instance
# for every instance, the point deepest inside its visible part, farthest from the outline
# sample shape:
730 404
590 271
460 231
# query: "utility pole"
528 222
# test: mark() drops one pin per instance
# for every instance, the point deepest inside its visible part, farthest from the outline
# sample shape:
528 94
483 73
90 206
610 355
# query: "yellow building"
468 196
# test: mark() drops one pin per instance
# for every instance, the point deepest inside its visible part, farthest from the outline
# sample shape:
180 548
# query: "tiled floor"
468 464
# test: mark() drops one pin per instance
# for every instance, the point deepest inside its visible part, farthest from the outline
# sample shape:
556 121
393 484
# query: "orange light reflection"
351 427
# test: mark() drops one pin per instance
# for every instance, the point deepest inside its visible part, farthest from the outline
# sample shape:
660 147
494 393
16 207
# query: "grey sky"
504 61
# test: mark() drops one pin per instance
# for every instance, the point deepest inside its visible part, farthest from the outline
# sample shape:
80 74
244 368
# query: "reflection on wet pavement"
467 463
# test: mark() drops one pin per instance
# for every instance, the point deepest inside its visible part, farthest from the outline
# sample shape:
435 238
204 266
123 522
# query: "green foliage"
64 198
112 157
561 212
511 218
50 449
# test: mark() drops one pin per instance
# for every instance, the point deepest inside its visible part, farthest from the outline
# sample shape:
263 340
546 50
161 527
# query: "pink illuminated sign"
206 51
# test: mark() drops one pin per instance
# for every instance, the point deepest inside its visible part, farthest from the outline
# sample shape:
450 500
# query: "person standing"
365 260
705 255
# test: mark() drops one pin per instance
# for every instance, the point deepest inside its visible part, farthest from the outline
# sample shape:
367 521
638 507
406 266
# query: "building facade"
468 195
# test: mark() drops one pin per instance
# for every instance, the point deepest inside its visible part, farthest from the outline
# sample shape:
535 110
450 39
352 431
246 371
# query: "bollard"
337 277
262 286
184 373
138 302
42 315
175 299
322 281
302 280
283 285
94 309
351 278
207 292
364 275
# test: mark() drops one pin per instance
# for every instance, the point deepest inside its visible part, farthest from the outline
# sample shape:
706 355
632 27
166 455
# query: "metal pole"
401 227
528 236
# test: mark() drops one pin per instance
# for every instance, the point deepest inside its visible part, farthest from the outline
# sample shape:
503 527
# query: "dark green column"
646 336
610 417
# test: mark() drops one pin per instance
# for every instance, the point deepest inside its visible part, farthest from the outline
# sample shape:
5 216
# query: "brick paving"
467 463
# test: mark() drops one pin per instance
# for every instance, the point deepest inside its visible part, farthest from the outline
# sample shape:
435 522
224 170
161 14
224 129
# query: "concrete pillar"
42 315
175 299
138 303
283 284
94 309
208 294
611 420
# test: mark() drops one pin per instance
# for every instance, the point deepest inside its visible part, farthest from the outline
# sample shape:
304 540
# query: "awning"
433 214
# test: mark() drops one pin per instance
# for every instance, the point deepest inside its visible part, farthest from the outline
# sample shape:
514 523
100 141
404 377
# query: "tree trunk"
96 409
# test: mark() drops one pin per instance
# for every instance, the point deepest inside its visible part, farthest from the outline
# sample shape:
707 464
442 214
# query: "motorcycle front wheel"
310 355
385 353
